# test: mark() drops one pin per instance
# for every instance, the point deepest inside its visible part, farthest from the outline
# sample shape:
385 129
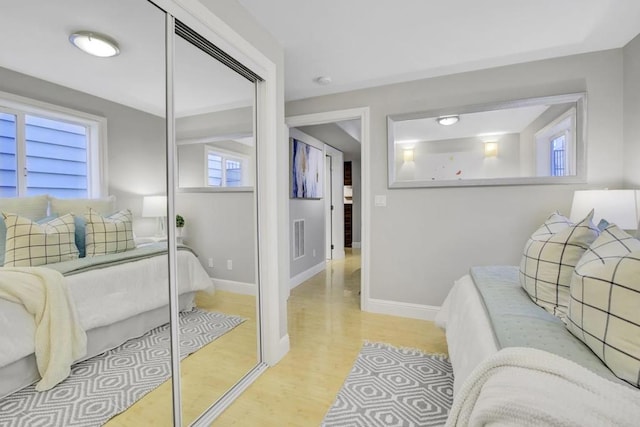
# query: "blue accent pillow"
79 222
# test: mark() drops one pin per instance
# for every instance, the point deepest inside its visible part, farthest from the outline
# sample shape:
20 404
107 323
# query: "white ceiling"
34 41
481 124
364 43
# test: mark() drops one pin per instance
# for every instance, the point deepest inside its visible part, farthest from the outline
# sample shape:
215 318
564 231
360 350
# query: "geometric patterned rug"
105 385
391 386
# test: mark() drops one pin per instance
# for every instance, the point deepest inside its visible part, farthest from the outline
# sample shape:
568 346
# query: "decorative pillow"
29 207
108 235
78 207
549 257
30 244
604 309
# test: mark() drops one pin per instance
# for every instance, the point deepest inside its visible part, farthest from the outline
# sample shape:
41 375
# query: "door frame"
363 114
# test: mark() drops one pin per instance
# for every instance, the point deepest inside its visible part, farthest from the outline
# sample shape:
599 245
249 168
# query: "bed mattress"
114 304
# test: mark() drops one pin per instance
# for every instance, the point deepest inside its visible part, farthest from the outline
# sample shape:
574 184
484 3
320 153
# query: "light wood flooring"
207 373
326 330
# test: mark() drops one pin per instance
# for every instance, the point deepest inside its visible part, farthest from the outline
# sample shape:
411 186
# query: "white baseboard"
306 275
356 245
232 286
403 309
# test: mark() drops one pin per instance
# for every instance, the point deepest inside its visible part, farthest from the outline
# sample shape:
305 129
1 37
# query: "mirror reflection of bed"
122 99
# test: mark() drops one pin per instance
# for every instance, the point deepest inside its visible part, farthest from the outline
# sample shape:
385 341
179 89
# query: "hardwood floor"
326 330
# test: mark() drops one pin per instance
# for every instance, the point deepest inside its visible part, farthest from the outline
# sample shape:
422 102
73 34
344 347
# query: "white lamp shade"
619 207
154 206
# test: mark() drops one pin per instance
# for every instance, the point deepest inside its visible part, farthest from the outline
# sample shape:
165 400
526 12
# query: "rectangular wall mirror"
525 141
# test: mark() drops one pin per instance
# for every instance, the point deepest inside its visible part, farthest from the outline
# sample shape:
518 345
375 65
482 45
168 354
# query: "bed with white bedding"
123 296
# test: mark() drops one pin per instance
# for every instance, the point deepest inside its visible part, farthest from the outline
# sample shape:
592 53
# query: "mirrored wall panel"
83 168
82 155
528 141
216 204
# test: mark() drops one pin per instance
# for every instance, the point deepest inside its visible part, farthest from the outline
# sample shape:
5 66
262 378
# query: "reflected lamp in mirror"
619 207
156 207
541 141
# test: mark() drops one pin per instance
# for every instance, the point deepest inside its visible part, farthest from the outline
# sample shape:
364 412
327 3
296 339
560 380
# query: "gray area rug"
391 386
103 386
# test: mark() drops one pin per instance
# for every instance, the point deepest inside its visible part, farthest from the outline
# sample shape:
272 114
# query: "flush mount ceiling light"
322 80
448 120
95 44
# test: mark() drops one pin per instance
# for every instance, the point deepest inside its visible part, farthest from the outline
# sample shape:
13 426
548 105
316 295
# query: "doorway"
359 120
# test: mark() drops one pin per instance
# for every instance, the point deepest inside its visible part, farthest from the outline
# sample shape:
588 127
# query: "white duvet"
530 387
104 296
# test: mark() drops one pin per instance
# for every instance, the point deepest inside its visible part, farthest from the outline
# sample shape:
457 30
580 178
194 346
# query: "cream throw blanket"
530 387
59 339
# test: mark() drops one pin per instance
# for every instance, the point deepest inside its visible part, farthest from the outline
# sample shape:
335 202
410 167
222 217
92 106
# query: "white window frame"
543 138
97 184
226 155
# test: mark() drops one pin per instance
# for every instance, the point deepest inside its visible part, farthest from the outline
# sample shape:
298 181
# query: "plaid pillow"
549 257
108 235
604 307
30 243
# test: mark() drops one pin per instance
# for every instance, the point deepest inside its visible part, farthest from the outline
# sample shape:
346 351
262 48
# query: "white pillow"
104 206
604 309
30 244
549 257
33 207
108 235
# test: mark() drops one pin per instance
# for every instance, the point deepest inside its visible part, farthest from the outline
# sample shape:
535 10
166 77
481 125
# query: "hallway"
326 329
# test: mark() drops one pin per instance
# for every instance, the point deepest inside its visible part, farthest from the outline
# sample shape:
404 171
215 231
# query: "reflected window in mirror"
47 149
528 141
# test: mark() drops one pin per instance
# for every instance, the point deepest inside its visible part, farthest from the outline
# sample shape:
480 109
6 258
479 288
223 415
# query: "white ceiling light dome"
323 80
448 120
95 44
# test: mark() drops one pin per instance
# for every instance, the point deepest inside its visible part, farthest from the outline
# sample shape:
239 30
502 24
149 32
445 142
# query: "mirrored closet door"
92 138
216 170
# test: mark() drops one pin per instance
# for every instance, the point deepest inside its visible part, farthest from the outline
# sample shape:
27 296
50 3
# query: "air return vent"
298 238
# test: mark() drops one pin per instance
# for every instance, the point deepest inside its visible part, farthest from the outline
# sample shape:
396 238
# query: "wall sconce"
408 155
490 149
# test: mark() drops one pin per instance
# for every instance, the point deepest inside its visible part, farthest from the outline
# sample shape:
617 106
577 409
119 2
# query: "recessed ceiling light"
95 44
448 120
322 80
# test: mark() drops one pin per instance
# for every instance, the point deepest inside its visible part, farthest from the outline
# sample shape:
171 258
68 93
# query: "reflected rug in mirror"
390 386
105 385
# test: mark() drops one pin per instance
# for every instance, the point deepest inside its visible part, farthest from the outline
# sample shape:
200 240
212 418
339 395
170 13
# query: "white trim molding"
403 309
233 286
307 274
356 245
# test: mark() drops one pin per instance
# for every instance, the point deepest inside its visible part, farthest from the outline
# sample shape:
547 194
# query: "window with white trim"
48 151
225 170
556 146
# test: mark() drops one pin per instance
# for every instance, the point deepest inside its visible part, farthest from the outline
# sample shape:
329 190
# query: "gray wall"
426 238
632 113
221 226
312 211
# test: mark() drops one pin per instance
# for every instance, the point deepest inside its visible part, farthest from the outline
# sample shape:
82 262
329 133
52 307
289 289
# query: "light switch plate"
381 200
